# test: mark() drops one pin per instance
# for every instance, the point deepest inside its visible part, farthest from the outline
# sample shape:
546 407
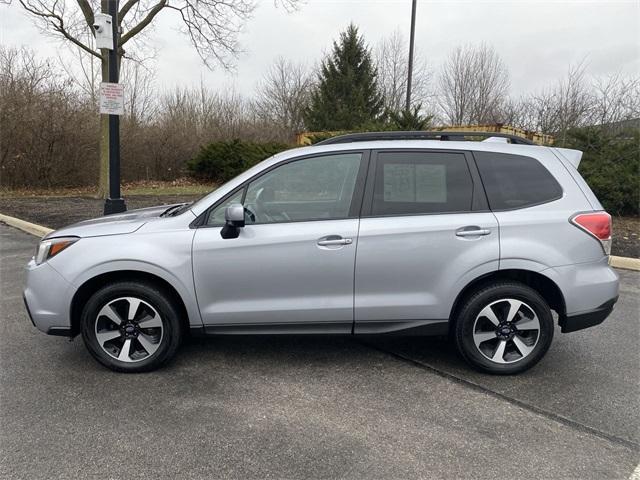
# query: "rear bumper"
575 322
586 287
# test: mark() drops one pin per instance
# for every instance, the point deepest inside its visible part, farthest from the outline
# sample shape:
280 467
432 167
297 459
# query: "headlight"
50 248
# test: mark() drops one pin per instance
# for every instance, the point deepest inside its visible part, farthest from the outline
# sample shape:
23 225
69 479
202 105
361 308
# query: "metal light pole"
114 203
411 42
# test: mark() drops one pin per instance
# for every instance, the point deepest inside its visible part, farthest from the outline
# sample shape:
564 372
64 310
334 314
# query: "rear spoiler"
570 155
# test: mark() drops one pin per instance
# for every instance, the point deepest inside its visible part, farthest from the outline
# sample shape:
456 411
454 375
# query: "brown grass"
181 186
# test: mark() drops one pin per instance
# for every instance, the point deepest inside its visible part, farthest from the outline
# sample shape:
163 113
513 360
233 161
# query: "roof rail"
418 135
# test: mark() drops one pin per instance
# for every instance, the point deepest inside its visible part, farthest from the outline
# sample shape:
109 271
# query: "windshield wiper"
182 209
171 211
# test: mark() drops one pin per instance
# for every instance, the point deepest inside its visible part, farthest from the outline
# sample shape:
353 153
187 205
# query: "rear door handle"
333 240
473 233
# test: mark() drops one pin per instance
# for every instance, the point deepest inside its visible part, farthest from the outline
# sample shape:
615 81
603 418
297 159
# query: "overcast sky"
536 39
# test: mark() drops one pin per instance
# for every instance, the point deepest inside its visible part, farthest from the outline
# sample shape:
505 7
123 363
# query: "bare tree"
139 98
455 95
212 26
83 70
282 96
538 112
615 98
392 61
558 108
573 100
473 86
47 129
533 112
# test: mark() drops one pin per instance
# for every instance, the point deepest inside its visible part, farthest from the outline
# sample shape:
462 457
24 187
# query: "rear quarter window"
515 181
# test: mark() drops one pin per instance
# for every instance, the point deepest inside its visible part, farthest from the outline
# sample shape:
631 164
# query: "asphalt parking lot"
316 407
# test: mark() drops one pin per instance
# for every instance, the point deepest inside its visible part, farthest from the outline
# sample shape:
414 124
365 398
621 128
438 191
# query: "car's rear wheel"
504 328
131 327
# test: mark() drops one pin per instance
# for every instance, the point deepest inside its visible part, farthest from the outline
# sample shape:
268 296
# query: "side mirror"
234 221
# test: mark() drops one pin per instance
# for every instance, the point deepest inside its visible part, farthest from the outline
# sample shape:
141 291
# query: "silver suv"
391 233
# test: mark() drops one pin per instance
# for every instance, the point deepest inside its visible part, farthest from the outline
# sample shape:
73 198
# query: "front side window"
415 183
317 188
514 181
216 216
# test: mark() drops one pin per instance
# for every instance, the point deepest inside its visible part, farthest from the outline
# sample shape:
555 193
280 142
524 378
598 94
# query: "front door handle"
333 240
473 233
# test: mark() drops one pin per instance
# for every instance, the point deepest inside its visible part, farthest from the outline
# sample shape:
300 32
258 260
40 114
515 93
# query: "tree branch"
143 23
57 23
213 26
87 11
125 9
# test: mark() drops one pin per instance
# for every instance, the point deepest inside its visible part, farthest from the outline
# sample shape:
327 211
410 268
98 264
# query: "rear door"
425 232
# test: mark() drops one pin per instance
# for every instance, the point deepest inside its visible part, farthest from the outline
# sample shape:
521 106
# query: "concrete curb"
32 228
626 263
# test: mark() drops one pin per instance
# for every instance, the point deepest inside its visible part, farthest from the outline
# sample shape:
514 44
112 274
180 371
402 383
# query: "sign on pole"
112 98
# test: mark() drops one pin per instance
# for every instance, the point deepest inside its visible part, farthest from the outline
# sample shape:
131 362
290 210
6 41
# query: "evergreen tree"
410 119
347 95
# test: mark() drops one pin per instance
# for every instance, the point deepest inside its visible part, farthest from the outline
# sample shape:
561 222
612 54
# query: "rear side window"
514 181
409 183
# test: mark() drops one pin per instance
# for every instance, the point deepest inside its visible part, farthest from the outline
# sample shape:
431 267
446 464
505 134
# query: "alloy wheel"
129 329
506 331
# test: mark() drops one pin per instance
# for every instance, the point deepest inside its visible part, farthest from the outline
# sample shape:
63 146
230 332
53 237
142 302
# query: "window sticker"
421 183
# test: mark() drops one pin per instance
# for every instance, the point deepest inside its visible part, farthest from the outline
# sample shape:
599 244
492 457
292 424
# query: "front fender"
164 254
186 292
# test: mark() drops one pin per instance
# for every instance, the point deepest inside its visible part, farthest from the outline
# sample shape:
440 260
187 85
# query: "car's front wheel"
131 327
504 328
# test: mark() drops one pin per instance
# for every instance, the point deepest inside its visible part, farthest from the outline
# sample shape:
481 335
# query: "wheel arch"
92 285
546 287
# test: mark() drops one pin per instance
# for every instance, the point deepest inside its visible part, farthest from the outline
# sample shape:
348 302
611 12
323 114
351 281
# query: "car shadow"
318 348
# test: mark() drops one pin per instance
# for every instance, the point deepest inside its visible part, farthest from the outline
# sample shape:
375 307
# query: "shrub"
223 160
611 166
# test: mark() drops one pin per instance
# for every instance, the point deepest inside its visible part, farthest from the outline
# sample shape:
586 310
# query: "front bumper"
47 297
26 306
573 323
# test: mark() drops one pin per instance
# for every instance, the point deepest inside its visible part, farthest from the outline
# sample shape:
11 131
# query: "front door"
291 269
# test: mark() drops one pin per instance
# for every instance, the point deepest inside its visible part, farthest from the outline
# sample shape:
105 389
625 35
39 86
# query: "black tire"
154 296
476 302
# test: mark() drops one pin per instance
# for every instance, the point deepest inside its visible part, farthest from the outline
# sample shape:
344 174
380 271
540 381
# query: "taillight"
598 225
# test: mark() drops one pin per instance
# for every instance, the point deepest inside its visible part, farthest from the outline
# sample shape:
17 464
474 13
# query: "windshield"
203 199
